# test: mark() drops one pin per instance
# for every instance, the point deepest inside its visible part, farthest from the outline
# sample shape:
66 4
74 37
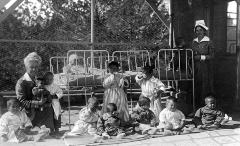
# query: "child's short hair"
148 69
113 63
208 97
47 74
11 102
171 98
113 105
39 78
143 101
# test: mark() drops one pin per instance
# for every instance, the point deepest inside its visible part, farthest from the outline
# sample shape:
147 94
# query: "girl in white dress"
114 93
151 88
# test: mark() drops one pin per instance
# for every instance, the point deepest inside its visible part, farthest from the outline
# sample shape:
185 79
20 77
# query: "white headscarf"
32 57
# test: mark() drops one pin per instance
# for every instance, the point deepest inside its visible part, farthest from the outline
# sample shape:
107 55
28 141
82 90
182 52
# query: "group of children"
113 117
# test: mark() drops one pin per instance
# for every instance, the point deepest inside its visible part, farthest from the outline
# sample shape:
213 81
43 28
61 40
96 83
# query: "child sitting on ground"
15 125
56 93
208 117
88 117
151 88
171 119
109 123
143 117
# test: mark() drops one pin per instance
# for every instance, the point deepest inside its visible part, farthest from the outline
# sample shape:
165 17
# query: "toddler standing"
56 93
151 88
114 93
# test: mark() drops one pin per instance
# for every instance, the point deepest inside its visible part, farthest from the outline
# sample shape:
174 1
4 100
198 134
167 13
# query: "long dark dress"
203 69
24 94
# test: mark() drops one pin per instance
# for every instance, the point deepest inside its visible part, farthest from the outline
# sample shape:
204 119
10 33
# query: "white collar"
204 39
26 77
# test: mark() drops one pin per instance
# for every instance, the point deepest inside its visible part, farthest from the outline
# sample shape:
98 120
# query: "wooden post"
92 31
1 105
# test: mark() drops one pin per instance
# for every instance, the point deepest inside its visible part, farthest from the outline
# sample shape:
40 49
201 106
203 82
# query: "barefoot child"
14 125
171 118
151 88
56 93
88 117
143 117
109 123
114 93
208 116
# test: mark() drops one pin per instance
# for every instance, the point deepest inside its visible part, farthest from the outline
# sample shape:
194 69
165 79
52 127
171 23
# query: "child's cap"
113 63
143 101
12 102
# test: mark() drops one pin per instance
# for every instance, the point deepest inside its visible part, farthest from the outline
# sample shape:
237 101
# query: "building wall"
214 14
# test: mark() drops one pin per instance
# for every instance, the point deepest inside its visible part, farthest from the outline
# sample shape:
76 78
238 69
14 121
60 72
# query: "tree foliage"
128 21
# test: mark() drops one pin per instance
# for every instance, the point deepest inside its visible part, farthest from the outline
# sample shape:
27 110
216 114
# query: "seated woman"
24 93
73 66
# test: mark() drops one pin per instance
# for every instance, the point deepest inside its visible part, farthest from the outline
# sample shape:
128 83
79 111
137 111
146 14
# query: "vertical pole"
171 24
92 30
238 56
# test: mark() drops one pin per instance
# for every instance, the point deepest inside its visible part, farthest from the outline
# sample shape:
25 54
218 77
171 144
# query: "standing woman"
203 62
24 88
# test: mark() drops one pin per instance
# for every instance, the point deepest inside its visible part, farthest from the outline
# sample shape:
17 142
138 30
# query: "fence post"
1 105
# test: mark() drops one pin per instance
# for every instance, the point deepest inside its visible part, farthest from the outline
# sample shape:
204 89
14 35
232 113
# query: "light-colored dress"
114 93
149 89
10 123
87 123
54 89
173 117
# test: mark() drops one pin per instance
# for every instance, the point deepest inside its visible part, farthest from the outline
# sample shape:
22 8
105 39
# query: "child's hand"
168 126
42 101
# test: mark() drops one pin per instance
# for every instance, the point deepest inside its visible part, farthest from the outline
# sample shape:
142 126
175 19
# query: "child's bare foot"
41 136
97 138
120 136
105 136
145 132
153 131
